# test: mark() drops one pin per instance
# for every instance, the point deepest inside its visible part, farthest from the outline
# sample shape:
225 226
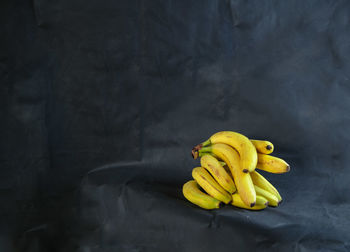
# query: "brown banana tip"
252 204
268 147
288 168
245 170
194 154
267 203
197 147
220 204
279 202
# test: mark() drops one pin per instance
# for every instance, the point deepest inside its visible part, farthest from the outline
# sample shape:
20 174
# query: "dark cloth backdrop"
102 101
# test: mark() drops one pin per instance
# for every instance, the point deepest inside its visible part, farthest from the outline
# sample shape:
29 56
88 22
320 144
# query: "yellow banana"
237 202
223 164
263 183
242 180
206 153
209 185
241 143
273 201
192 192
272 164
263 146
260 200
211 154
218 172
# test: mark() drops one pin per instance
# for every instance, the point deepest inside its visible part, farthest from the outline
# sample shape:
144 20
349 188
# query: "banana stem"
206 143
196 149
205 149
195 154
201 154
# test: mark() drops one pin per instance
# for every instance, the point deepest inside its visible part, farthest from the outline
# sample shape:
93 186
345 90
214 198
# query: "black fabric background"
102 101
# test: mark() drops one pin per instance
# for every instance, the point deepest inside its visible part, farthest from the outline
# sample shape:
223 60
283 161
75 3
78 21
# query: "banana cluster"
227 173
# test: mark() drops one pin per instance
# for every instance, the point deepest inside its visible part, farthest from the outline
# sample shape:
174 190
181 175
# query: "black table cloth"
102 101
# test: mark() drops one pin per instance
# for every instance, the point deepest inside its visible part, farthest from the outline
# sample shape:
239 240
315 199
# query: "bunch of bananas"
227 173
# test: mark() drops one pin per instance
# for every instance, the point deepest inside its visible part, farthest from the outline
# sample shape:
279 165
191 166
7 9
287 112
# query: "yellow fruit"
273 201
209 185
262 146
237 202
272 164
260 200
263 183
242 180
218 172
192 193
239 142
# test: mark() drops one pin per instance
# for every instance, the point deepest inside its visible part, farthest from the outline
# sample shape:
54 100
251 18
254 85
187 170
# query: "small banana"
262 146
260 200
206 153
242 180
263 183
273 201
209 185
192 192
241 143
211 154
218 172
237 202
272 164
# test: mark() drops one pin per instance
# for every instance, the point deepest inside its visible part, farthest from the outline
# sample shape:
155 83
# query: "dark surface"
102 101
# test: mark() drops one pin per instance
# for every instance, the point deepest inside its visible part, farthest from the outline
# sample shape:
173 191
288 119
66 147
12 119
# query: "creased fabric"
101 103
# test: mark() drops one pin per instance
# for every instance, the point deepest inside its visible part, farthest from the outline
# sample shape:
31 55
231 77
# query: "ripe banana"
211 154
264 147
209 185
260 200
263 183
237 202
241 143
223 164
272 164
273 201
242 180
192 192
205 153
218 172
